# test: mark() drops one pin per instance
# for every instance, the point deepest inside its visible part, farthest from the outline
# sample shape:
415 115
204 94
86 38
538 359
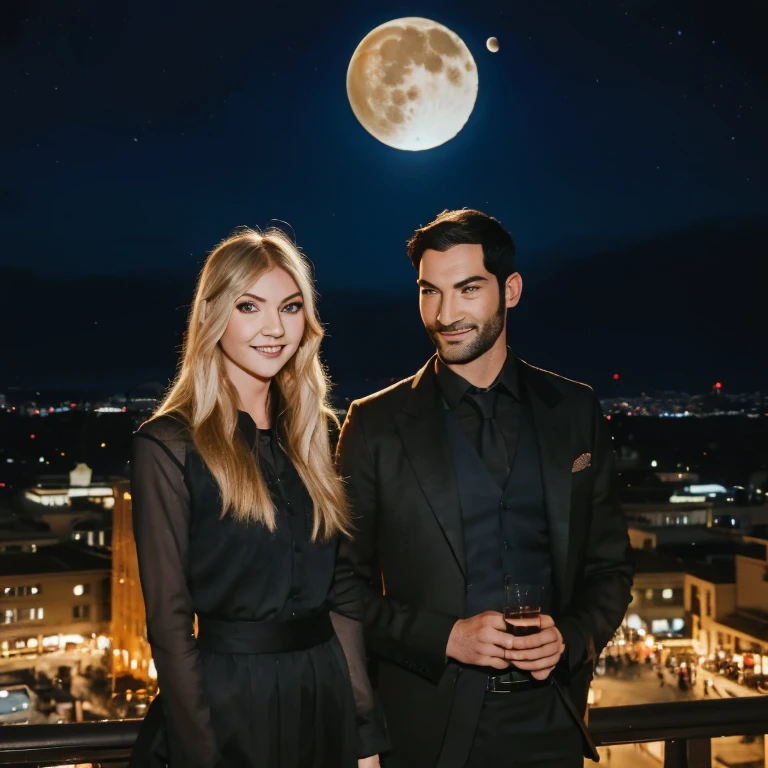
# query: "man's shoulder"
388 399
563 386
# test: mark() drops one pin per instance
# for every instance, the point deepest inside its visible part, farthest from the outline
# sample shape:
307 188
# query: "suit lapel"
553 434
421 425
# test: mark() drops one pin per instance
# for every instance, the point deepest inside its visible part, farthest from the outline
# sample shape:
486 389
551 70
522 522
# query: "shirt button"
506 545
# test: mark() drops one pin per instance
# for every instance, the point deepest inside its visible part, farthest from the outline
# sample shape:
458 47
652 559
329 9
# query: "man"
480 467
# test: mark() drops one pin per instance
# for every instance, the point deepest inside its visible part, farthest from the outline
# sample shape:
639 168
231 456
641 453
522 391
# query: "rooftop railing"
686 728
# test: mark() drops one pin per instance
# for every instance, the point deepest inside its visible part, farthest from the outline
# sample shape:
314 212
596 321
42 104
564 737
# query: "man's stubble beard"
486 337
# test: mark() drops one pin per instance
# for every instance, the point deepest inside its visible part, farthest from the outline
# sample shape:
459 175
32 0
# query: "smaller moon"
492 44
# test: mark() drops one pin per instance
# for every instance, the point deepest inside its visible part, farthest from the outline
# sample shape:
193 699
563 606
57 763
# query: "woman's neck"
252 394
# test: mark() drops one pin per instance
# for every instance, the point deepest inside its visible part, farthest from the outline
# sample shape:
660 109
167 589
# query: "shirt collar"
454 387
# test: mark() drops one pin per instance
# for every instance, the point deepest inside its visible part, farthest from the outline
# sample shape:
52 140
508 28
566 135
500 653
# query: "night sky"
622 143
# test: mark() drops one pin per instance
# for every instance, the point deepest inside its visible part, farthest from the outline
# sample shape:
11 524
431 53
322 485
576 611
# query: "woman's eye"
293 307
247 307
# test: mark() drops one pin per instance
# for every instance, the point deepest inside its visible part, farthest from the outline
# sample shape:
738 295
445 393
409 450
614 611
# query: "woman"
237 512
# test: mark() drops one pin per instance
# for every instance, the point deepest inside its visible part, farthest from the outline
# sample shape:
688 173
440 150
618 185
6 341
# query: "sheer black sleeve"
161 518
372 736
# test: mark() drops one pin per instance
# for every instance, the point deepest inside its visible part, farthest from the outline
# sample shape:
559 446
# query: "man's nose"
449 312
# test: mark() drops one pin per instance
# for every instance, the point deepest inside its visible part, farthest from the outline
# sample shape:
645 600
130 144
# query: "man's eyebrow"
461 284
467 280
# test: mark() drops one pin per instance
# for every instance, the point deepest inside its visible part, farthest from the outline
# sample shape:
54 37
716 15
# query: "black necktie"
493 451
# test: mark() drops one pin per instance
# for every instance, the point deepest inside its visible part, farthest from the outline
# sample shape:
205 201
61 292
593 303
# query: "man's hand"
480 640
539 653
369 762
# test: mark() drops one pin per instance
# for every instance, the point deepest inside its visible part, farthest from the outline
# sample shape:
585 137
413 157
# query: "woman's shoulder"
171 430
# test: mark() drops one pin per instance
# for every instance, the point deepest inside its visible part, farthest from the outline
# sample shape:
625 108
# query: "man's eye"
246 307
470 289
426 291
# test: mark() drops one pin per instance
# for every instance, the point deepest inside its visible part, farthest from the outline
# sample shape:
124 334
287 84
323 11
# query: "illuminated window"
23 591
666 594
82 589
649 594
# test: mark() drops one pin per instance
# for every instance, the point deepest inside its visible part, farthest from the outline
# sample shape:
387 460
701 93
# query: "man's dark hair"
467 227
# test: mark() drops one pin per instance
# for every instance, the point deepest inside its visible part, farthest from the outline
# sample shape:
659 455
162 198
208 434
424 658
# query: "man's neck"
483 371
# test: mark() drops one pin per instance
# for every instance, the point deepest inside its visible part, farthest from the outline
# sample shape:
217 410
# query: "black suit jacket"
406 560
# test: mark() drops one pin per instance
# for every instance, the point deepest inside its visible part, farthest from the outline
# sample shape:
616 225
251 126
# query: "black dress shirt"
454 389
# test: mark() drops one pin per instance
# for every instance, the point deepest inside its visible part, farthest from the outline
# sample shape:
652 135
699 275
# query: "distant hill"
675 311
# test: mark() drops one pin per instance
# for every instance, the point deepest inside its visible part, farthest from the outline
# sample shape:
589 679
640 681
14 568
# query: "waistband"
256 637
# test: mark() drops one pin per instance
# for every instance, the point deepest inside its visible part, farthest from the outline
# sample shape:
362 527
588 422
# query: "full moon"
412 83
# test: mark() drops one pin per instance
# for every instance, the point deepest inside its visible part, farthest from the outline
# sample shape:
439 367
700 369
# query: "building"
130 648
727 603
710 594
657 606
63 502
53 597
748 623
677 513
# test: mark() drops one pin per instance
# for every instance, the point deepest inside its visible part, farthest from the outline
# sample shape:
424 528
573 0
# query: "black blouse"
194 561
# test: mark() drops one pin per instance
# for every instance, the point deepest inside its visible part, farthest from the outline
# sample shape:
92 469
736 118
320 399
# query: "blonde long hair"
207 401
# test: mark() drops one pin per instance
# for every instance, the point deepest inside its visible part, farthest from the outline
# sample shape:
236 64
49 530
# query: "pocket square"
582 462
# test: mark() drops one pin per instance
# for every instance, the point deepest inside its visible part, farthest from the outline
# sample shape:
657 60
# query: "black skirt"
283 710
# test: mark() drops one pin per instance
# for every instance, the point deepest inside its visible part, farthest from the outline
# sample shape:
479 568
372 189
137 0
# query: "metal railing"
685 727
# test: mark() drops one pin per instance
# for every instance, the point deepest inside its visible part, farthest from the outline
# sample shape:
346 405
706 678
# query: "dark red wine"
524 612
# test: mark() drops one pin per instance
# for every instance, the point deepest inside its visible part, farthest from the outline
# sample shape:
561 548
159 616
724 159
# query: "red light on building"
608 417
31 437
616 377
50 410
718 385
73 405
